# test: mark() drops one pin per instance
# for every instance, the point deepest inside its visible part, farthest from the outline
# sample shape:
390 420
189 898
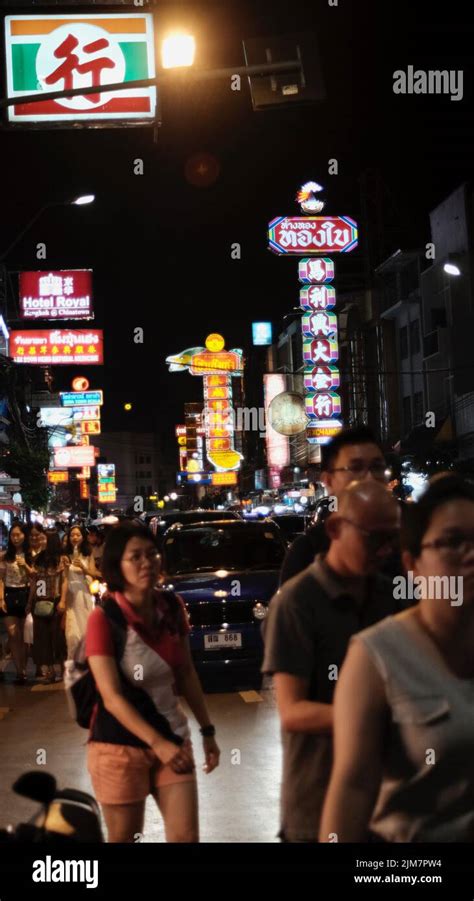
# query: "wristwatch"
208 731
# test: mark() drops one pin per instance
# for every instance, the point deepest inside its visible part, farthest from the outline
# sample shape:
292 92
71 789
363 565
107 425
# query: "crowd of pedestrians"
374 685
45 599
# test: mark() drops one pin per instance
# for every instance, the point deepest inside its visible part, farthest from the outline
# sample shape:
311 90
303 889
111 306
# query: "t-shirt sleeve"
99 641
288 637
183 619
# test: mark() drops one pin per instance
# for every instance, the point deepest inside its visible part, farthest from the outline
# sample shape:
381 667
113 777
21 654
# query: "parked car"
160 523
291 524
226 572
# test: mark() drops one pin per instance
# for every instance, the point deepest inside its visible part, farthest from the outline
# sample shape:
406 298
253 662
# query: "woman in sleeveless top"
15 569
404 725
79 601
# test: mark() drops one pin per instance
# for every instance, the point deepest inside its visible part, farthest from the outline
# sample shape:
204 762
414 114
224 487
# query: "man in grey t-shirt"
310 622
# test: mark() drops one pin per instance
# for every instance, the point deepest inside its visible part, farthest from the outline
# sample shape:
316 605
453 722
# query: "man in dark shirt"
309 625
353 455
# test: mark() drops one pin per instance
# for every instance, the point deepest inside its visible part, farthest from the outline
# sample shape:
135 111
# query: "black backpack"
81 691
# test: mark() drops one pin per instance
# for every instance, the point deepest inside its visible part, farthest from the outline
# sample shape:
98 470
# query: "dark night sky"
160 247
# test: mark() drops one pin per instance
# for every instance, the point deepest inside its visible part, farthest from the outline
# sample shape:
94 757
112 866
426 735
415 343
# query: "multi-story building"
448 314
137 464
401 383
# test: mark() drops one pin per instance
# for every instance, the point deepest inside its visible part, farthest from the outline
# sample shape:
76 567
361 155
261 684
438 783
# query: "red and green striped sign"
47 53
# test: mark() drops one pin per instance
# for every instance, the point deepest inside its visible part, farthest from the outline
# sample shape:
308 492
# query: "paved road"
238 802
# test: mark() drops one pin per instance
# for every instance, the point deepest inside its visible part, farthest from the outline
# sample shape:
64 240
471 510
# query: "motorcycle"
66 816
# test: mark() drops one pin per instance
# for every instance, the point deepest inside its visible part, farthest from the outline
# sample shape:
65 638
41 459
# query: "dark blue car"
226 572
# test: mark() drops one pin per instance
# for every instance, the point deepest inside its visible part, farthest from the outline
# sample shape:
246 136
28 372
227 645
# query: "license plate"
222 640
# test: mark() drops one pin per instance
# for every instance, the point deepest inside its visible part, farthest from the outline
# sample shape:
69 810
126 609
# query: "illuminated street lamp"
177 50
83 199
451 269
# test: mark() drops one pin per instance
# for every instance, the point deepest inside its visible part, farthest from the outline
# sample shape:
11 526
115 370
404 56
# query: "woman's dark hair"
84 547
94 530
11 551
35 525
50 557
416 518
114 548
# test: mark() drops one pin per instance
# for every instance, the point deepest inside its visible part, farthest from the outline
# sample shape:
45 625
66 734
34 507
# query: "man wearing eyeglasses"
353 455
310 622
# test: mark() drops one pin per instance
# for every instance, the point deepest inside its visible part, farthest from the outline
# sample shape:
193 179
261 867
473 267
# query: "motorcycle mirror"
40 787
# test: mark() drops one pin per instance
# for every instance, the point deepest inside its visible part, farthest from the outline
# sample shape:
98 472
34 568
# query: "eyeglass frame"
441 544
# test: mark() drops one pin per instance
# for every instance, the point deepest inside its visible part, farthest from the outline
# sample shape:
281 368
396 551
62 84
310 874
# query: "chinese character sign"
46 53
319 270
310 237
58 346
216 366
56 295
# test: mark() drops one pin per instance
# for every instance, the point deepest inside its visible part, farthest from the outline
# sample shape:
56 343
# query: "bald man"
310 622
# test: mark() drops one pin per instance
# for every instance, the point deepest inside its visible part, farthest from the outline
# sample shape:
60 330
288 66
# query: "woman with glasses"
404 727
138 650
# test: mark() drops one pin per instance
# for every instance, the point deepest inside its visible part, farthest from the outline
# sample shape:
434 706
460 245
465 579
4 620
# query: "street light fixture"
79 201
83 199
178 50
451 269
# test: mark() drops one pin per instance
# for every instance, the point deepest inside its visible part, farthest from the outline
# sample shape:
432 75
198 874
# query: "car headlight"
259 611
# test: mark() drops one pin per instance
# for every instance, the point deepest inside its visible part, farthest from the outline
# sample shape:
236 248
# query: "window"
407 414
418 407
438 317
415 337
404 342
147 459
141 460
150 491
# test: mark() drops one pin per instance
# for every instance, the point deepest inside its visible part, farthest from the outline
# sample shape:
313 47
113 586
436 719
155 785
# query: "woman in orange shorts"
139 742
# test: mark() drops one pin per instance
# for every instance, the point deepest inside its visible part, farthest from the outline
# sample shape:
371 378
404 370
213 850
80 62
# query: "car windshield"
290 524
210 548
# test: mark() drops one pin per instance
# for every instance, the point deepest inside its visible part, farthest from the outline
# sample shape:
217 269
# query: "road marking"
4 711
251 697
55 686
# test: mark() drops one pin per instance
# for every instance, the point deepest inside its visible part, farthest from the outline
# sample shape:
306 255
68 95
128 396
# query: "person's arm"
297 714
3 605
89 568
360 720
32 594
104 670
63 598
190 687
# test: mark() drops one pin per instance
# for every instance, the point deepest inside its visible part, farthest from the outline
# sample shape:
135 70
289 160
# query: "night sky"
160 246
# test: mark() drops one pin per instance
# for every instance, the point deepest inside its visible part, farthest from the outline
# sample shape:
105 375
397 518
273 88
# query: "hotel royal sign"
306 236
